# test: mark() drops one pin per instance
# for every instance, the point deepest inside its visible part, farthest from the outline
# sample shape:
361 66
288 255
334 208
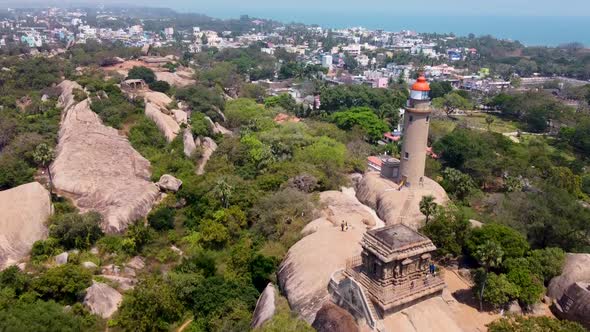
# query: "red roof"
421 84
391 137
375 161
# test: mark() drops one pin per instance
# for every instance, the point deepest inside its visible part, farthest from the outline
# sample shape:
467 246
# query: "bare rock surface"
169 183
429 315
305 272
216 128
332 318
137 263
124 283
165 123
62 258
101 299
99 169
189 142
209 146
179 79
23 212
89 265
180 116
398 206
571 290
265 307
158 99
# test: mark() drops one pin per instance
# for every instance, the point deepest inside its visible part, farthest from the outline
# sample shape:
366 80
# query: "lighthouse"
415 134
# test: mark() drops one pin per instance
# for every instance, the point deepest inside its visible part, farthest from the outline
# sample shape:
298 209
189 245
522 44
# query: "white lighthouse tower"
415 134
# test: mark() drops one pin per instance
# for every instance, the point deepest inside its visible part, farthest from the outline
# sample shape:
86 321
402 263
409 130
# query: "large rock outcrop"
305 272
180 79
397 206
165 123
189 142
571 290
208 146
265 307
99 169
101 299
433 314
23 212
332 318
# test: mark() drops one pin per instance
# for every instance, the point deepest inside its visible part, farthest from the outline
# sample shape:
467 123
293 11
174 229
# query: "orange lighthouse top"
421 84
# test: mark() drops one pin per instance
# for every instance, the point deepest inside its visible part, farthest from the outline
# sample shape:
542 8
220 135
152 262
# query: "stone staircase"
403 216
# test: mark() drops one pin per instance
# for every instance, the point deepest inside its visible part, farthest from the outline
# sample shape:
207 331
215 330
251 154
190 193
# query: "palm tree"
489 255
428 206
223 191
43 156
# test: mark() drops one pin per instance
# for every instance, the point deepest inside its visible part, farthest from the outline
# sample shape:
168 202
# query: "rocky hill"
98 168
23 213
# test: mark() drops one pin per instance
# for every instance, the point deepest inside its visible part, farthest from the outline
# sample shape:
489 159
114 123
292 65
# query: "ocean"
529 30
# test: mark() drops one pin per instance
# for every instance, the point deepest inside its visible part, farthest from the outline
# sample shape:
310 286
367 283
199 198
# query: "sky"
227 8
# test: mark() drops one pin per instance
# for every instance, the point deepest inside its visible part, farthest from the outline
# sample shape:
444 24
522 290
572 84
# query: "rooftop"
396 242
397 236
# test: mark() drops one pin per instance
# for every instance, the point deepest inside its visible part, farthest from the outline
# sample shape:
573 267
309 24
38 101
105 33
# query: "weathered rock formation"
265 307
159 99
216 128
169 183
98 168
180 116
571 290
23 212
101 299
189 142
179 79
397 206
165 123
332 318
209 146
306 270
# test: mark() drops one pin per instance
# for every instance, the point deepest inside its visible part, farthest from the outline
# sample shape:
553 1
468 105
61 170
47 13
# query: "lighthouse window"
407 155
411 118
427 118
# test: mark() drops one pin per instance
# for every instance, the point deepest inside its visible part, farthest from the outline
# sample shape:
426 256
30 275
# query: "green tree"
364 118
457 183
142 73
499 291
75 230
161 219
160 86
489 255
547 262
44 316
64 283
151 306
451 102
223 191
43 156
529 324
512 243
428 206
448 231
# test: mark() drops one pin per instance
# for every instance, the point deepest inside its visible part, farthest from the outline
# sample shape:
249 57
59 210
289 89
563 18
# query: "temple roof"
396 242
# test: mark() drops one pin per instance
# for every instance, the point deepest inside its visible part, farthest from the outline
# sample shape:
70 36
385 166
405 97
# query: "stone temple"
393 272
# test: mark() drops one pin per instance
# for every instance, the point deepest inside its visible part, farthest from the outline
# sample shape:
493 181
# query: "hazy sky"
227 8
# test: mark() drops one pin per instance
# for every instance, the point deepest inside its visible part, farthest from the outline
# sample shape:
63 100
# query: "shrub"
160 86
64 283
162 219
74 230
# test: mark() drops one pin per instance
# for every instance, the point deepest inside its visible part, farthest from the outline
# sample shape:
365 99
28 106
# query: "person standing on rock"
342 225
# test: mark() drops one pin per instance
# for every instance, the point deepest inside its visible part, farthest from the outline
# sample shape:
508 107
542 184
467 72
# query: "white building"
327 60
